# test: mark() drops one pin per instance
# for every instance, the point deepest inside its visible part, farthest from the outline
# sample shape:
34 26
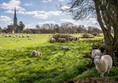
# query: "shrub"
94 33
86 35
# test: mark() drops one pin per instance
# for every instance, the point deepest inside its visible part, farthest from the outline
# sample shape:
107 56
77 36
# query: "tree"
37 26
1 29
21 27
106 12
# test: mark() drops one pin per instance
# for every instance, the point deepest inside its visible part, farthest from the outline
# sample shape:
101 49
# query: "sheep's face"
95 52
97 60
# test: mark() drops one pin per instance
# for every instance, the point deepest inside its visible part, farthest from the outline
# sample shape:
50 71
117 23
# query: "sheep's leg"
108 72
102 75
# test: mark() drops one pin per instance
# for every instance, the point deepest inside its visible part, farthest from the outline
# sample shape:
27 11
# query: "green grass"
54 66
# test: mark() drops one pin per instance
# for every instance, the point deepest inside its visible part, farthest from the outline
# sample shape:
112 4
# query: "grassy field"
54 66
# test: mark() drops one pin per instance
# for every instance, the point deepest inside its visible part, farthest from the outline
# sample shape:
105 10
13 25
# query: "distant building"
12 28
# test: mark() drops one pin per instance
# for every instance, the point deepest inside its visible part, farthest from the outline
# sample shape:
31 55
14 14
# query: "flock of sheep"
102 62
16 36
62 38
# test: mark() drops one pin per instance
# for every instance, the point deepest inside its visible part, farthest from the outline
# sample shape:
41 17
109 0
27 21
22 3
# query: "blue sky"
33 12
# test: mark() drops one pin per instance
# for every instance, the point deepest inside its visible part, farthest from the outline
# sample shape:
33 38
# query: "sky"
33 12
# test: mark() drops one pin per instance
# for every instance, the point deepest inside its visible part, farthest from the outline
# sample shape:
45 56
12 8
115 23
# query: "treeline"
66 27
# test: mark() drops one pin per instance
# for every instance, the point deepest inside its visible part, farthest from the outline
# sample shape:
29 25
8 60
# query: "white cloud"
11 5
88 22
28 4
68 20
61 0
46 1
37 14
46 22
65 7
5 19
52 0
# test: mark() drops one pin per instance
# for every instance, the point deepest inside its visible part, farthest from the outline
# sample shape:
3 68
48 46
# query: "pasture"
54 66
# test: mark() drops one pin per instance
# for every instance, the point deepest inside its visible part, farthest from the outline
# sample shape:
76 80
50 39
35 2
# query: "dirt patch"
92 80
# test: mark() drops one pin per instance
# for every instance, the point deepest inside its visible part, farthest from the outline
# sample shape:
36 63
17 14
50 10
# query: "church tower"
15 20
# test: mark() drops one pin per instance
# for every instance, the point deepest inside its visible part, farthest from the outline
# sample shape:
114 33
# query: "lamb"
103 64
35 53
96 52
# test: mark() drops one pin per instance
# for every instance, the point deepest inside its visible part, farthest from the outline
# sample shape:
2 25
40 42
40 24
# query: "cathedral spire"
15 19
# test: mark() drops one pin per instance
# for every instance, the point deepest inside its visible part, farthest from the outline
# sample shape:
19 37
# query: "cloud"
68 20
5 19
52 0
88 22
37 14
28 4
11 5
61 0
65 7
47 22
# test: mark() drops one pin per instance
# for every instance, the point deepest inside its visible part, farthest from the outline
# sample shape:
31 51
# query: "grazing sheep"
20 36
71 38
23 36
9 35
66 48
96 52
103 64
35 53
28 36
62 40
76 38
6 35
30 39
52 40
14 36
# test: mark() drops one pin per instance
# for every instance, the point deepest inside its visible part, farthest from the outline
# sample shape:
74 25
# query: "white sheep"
52 40
66 48
96 52
27 35
30 39
62 40
103 64
35 53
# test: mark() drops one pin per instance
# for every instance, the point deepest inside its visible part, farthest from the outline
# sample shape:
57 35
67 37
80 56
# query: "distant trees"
1 30
20 27
66 27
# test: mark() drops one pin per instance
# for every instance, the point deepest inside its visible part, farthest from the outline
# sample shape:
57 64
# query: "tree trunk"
107 22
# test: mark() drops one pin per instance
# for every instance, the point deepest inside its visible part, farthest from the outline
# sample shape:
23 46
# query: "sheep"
6 35
20 36
103 64
62 40
35 53
23 36
28 36
71 38
30 39
52 40
96 52
14 36
66 48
